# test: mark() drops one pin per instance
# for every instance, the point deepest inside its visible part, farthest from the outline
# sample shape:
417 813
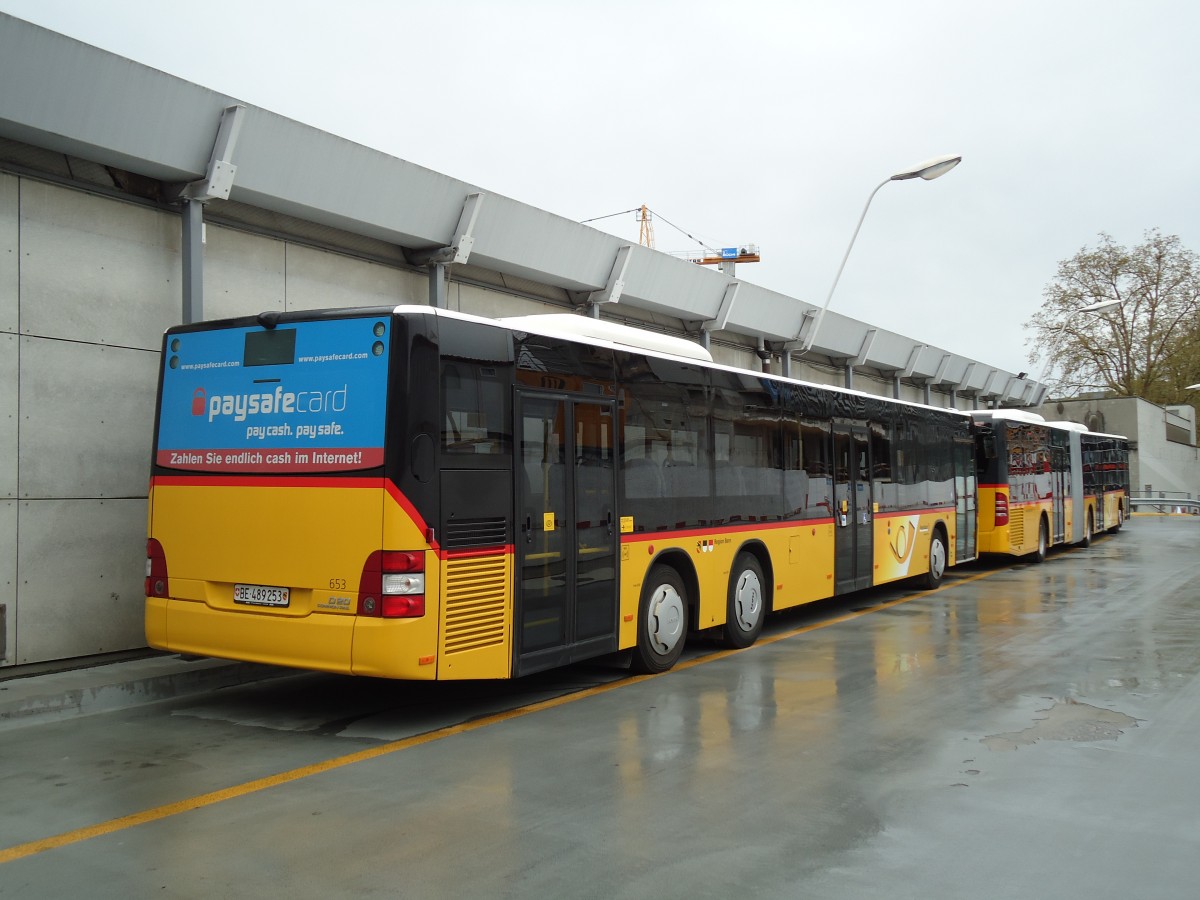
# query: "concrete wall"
88 283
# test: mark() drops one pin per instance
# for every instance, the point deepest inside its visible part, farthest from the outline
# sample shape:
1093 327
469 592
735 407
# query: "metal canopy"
98 106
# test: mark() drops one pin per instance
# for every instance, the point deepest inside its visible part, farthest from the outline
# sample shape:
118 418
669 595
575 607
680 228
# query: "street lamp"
928 170
1096 307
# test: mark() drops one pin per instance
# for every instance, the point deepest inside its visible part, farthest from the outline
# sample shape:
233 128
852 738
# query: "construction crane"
725 257
710 257
645 227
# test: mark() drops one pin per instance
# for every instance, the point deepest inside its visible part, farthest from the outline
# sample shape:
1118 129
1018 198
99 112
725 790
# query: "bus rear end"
273 535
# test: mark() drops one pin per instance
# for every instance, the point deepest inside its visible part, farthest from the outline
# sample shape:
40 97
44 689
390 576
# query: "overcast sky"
751 121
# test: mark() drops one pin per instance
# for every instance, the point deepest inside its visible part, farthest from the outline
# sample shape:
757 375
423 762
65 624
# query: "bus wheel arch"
665 613
1089 528
939 556
748 599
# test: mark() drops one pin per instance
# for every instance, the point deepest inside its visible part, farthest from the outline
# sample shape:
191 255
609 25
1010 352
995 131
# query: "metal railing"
1167 504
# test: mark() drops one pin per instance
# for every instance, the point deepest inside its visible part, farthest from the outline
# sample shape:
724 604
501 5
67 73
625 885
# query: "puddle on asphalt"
1066 720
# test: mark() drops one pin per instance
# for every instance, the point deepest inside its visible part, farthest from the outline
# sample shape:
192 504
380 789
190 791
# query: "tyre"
1120 521
662 621
747 606
1043 545
938 559
1087 531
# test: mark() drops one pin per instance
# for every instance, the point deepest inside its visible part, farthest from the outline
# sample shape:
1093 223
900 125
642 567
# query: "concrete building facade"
1163 461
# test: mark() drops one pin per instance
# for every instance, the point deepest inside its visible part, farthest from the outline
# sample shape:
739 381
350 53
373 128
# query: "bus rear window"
270 348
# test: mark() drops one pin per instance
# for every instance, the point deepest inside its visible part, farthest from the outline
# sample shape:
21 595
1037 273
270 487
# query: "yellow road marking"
31 848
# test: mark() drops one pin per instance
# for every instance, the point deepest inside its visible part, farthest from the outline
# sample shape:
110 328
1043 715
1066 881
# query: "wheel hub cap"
664 621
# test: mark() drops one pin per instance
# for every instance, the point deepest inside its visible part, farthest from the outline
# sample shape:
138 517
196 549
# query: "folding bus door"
965 497
853 520
566 553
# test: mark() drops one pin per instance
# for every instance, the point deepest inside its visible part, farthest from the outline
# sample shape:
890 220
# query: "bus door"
965 494
566 553
853 543
1059 475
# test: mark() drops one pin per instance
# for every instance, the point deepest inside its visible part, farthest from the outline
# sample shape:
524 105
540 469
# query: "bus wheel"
1043 546
1087 531
937 559
662 621
747 607
1120 521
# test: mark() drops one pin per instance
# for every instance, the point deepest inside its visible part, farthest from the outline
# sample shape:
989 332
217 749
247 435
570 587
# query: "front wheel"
662 621
747 606
938 557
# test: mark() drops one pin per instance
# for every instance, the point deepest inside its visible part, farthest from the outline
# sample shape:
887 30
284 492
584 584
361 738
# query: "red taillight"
157 584
1001 509
393 585
406 606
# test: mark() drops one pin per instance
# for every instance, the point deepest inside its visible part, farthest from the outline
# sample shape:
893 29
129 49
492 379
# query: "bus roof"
1014 415
534 324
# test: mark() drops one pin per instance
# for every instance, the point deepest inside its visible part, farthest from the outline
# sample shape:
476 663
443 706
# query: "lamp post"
928 170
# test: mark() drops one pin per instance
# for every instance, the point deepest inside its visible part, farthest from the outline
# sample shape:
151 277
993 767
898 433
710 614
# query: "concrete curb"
54 696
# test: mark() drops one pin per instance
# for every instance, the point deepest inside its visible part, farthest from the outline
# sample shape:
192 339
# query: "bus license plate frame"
262 595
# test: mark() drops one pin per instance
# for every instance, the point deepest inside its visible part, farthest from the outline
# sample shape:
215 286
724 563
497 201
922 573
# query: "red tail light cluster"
393 585
1001 509
157 584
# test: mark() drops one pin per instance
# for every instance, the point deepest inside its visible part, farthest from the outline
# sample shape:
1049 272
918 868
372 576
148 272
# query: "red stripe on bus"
914 512
704 530
411 511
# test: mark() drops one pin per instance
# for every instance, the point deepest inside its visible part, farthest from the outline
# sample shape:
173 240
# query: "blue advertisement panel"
301 397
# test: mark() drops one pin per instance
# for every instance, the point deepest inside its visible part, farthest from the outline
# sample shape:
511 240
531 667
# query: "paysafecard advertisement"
316 405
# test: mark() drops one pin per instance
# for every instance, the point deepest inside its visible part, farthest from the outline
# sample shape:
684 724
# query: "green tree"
1144 347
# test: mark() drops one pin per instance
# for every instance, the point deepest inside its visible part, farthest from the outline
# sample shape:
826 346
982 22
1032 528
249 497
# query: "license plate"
261 595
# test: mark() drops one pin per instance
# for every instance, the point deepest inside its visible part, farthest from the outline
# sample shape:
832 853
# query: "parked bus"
422 494
1041 483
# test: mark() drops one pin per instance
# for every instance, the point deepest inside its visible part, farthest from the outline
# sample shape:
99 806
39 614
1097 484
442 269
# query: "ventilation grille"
476 592
465 533
1016 527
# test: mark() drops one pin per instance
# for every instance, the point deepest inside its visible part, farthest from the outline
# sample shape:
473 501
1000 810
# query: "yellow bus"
421 494
1043 483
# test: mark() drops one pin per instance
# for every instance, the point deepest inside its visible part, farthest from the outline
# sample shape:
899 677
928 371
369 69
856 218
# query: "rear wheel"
1087 531
662 621
1120 520
747 606
1043 544
938 557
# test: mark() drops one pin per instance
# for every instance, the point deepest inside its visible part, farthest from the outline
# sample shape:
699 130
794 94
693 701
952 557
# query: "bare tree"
1143 347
